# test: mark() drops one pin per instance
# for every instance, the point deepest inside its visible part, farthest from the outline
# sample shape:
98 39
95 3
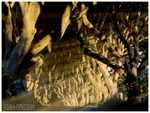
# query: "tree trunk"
30 14
8 30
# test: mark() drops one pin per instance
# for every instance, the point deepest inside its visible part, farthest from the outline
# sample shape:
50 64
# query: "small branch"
145 38
127 19
12 4
83 12
103 19
42 3
60 30
136 39
85 20
143 26
125 42
41 44
127 22
74 5
138 15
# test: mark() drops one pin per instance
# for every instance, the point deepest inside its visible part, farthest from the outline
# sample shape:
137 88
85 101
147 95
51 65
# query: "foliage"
142 96
140 106
10 85
141 88
7 79
121 86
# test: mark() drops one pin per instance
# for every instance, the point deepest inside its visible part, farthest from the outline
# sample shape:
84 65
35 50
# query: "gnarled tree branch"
102 37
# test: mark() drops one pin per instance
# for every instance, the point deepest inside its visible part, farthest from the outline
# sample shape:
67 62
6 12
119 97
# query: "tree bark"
8 30
30 13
